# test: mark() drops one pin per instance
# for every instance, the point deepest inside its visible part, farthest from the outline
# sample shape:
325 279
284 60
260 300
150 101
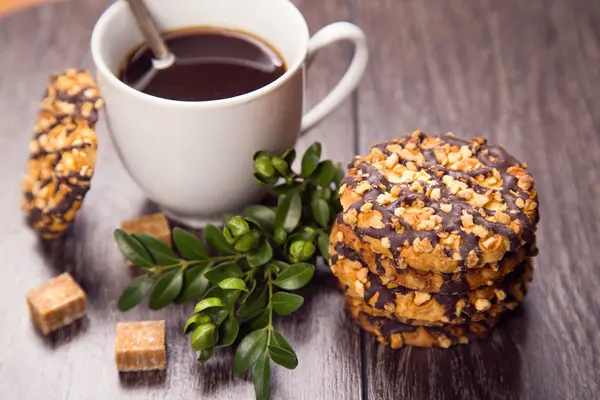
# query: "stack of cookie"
435 240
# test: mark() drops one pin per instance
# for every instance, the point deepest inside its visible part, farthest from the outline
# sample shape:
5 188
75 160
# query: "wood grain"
509 71
523 73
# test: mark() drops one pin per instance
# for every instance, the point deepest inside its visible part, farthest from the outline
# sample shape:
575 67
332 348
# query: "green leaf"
325 173
135 292
238 226
338 174
280 236
215 240
266 180
251 286
310 160
286 303
261 320
189 245
280 341
263 216
285 188
280 165
320 210
194 321
247 242
205 336
194 284
248 351
260 255
133 250
263 166
209 302
289 211
255 303
166 289
323 242
262 377
289 156
295 277
233 284
205 355
301 251
283 357
278 266
223 271
228 332
159 250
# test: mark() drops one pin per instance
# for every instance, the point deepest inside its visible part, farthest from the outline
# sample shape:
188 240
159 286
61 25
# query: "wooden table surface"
525 74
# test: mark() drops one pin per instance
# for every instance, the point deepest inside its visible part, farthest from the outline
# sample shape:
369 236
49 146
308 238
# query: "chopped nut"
396 340
362 275
389 307
480 231
140 346
368 206
467 220
342 189
340 236
482 304
479 200
502 217
395 191
444 342
500 294
57 303
384 199
489 242
520 203
362 187
426 225
445 207
436 194
350 217
466 194
421 297
525 182
385 243
391 160
472 259
465 151
359 288
399 211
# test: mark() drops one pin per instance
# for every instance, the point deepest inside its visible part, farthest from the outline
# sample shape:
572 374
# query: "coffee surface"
211 64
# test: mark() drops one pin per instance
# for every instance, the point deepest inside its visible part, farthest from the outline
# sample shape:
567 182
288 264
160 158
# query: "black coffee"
211 64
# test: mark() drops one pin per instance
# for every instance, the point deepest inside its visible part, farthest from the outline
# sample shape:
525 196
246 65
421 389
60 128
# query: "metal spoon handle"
149 29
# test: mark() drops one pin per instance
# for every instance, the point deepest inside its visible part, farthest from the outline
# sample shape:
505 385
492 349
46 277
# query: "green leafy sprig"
245 272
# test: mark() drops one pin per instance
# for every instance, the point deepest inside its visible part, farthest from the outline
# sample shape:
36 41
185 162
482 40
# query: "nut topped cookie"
345 244
63 152
440 203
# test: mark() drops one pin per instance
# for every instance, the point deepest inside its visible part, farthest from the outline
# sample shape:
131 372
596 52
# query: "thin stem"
269 306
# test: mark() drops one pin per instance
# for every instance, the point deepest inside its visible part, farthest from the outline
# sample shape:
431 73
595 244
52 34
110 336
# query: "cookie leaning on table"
345 244
404 304
440 203
63 153
397 334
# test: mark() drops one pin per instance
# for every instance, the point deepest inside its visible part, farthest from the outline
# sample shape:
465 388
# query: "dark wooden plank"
524 74
78 363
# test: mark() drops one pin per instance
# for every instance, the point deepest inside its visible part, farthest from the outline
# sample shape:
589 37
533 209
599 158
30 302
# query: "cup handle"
339 31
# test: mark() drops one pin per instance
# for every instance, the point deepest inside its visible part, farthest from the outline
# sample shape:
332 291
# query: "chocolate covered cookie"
63 153
439 203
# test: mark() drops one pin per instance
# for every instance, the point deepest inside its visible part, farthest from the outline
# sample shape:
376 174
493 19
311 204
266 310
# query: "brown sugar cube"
154 225
56 303
140 346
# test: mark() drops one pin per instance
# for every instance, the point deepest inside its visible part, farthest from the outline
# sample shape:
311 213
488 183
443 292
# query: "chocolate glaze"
451 221
447 301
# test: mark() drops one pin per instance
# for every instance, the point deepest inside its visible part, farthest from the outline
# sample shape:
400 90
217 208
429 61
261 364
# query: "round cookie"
63 153
440 203
345 244
397 334
404 304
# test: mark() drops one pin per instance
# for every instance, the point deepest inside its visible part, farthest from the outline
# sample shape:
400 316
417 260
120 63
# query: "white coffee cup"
194 159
